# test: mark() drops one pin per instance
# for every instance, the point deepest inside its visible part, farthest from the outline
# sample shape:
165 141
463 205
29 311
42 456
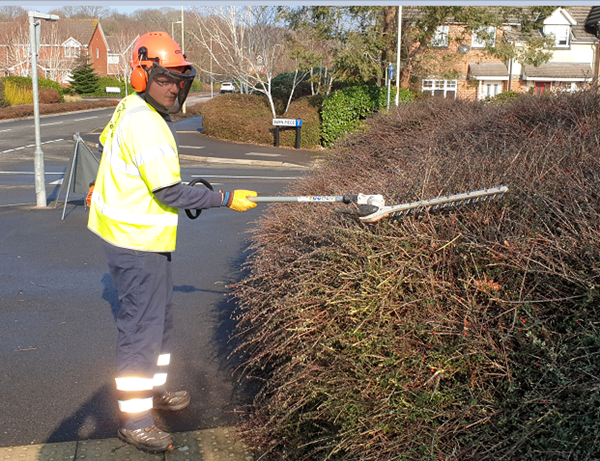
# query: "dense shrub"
248 118
104 82
2 95
345 109
282 83
17 91
49 96
197 85
469 334
307 109
20 90
504 97
26 110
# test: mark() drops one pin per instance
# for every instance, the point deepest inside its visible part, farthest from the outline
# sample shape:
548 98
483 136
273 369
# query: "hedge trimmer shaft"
372 207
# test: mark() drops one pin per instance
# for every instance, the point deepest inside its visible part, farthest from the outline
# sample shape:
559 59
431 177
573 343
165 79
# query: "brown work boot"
172 401
149 439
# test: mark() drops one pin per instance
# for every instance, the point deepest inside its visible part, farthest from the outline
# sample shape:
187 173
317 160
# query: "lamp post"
398 55
173 31
38 156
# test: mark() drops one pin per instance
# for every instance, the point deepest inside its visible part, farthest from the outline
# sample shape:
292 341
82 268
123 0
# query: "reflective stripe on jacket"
140 156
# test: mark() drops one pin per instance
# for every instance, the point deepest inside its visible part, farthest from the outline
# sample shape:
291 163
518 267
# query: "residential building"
457 65
62 44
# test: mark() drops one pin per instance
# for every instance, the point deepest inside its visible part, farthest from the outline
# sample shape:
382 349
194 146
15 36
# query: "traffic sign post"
287 123
390 78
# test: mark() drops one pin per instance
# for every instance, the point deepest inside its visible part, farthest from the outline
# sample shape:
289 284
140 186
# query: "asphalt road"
57 302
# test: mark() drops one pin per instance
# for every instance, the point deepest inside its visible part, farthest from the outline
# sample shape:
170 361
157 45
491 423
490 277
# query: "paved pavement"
219 444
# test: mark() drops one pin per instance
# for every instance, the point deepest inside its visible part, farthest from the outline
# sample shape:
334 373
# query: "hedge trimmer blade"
368 214
372 207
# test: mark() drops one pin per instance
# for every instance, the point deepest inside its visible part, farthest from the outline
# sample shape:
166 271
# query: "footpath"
220 444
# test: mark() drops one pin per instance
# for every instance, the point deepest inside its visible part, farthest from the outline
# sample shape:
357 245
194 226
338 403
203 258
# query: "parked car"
227 87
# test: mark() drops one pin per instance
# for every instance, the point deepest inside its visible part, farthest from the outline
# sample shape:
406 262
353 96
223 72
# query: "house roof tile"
80 29
552 70
488 69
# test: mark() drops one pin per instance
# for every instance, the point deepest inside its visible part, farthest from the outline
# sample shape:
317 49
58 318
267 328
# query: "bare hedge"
470 334
248 118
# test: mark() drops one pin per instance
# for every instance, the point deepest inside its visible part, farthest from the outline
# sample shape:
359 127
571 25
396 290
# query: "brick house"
62 43
119 55
465 70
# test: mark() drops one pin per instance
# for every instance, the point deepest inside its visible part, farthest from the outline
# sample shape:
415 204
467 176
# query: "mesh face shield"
184 82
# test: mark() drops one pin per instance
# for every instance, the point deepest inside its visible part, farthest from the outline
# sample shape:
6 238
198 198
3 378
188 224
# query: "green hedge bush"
468 334
43 83
345 109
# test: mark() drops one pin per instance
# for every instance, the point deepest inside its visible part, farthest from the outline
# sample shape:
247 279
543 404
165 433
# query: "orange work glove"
238 199
88 198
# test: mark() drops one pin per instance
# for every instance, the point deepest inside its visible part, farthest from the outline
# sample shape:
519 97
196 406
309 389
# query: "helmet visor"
183 80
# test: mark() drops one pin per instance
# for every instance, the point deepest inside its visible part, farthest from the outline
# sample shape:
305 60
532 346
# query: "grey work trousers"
145 322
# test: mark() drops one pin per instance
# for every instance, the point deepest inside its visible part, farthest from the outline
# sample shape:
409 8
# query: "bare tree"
10 13
244 42
15 39
122 44
83 12
53 54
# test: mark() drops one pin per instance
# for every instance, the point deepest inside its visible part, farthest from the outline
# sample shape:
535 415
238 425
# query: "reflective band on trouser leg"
135 405
160 378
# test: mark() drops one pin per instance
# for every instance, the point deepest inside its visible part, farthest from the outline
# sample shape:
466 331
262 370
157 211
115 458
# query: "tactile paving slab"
42 452
219 444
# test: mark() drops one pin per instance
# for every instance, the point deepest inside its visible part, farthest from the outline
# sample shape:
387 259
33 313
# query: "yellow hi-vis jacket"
139 156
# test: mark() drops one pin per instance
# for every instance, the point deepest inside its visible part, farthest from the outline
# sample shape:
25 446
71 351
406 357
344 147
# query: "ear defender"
139 79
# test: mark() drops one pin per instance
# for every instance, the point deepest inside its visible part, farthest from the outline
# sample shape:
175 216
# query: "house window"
113 59
71 51
483 36
490 88
440 88
97 53
440 37
562 35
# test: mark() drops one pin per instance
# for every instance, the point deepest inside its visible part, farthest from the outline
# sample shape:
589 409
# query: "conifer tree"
85 80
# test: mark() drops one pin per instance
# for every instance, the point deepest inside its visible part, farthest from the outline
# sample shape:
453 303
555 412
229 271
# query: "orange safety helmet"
156 53
151 48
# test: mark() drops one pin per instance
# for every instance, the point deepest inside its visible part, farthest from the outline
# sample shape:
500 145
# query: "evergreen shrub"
197 85
84 79
467 334
344 110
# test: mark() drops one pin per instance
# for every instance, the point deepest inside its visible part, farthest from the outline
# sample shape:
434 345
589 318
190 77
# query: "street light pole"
38 156
182 49
398 55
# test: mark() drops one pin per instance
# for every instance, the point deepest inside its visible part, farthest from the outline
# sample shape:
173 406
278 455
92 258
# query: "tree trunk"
390 27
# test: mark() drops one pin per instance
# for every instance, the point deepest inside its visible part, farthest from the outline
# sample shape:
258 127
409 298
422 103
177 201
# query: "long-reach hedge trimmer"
372 208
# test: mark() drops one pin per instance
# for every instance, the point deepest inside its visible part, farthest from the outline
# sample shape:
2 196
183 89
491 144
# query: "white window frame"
433 85
71 51
440 37
97 53
113 59
487 85
562 34
477 43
